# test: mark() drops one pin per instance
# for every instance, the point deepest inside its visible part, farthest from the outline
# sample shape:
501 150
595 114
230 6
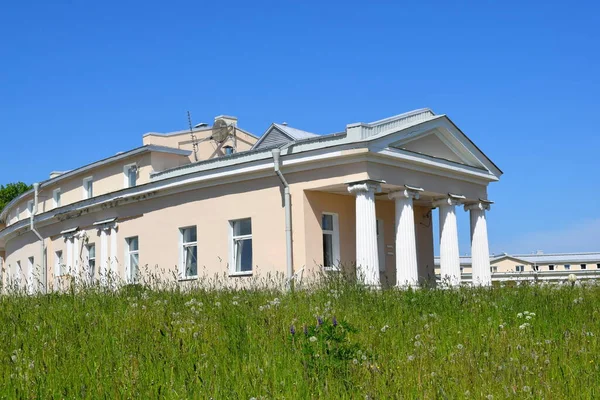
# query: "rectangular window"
56 197
583 266
132 259
189 252
18 273
550 267
494 269
379 227
598 266
29 208
331 241
88 187
58 263
30 275
241 246
567 267
131 173
91 251
520 268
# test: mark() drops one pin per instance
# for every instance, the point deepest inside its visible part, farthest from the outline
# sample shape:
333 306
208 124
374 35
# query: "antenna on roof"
194 139
222 131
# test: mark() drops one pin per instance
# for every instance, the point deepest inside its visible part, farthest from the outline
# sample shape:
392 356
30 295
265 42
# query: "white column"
103 256
449 255
480 251
407 273
367 255
113 252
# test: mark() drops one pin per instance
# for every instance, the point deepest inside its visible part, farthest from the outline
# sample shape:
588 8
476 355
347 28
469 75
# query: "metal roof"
96 164
294 133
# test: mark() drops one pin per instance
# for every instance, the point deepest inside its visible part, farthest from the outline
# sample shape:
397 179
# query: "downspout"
36 187
288 216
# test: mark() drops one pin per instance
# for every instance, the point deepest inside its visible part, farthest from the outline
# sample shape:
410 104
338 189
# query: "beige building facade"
291 204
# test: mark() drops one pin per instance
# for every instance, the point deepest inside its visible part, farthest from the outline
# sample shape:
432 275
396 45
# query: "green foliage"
11 191
531 341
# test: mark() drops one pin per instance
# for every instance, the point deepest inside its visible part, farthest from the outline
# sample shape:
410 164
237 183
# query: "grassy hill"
337 341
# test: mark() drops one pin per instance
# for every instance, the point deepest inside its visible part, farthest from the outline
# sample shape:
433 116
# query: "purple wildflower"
293 330
334 321
320 321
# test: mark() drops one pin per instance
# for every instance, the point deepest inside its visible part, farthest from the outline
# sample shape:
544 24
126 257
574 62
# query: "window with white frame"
331 240
58 263
29 208
88 187
551 267
132 258
30 275
583 266
131 173
241 246
520 268
494 269
18 273
189 252
91 252
567 267
56 197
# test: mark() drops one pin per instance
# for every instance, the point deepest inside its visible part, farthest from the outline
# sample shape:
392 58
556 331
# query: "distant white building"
539 261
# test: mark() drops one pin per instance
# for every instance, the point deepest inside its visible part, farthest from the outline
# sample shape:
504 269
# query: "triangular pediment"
436 139
432 145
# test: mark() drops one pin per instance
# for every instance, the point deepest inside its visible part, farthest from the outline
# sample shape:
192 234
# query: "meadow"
333 341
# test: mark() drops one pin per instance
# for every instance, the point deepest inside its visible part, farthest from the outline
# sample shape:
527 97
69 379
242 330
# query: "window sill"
188 278
331 269
236 274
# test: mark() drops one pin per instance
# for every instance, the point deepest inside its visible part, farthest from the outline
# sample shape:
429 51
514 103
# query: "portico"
405 243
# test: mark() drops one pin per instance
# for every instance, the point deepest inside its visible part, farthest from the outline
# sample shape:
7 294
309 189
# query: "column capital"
410 192
364 186
482 205
451 200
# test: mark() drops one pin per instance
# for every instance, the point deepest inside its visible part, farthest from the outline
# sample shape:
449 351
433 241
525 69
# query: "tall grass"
337 340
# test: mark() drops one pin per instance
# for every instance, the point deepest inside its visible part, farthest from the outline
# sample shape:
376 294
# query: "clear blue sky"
79 82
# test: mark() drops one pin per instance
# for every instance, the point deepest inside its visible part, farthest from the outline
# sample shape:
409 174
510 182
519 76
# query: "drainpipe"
288 216
36 187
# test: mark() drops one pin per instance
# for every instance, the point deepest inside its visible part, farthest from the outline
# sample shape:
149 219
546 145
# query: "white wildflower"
411 357
520 315
313 339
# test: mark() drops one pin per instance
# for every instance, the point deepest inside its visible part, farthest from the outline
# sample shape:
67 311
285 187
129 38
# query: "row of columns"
407 275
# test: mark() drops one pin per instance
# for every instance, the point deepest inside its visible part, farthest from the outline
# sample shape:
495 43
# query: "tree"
11 191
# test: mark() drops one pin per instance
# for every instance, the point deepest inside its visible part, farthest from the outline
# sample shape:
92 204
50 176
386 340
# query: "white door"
381 245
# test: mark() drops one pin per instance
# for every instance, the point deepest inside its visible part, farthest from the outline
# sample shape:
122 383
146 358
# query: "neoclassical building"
218 201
